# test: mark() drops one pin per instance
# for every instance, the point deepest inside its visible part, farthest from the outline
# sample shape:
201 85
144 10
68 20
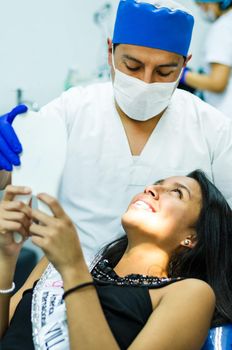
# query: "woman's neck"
143 259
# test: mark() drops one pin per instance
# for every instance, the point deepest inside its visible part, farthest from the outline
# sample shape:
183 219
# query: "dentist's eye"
133 69
178 191
164 74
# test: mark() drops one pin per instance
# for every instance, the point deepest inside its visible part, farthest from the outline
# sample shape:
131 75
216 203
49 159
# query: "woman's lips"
144 205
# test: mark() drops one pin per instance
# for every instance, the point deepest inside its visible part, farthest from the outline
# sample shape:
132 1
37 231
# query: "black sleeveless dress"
126 308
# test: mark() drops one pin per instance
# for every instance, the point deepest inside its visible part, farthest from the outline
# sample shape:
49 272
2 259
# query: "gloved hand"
10 147
183 76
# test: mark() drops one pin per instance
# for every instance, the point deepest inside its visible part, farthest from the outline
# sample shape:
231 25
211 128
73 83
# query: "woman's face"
167 211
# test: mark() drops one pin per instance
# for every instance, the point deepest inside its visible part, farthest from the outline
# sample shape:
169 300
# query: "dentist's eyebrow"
166 65
128 57
172 65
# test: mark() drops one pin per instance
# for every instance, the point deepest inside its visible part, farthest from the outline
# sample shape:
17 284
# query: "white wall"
39 40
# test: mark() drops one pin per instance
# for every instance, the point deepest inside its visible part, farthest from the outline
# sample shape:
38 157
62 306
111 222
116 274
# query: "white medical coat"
101 176
218 49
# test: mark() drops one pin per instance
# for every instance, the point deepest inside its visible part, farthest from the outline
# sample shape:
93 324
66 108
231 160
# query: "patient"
155 288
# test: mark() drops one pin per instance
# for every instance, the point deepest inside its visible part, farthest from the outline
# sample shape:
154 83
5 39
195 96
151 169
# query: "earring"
187 242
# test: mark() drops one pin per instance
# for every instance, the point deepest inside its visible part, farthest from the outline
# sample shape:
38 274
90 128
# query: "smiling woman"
143 289
173 206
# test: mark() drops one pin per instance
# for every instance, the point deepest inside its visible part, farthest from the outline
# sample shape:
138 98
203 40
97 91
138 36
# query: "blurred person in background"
216 81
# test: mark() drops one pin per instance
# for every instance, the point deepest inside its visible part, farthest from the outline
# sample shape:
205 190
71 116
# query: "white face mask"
139 100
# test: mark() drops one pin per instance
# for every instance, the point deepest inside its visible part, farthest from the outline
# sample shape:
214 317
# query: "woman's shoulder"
185 305
198 291
190 287
192 283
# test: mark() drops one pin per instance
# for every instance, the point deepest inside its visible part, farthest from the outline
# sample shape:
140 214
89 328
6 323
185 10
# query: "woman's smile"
144 204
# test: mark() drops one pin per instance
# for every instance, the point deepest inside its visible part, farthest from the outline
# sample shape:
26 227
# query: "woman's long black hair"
211 258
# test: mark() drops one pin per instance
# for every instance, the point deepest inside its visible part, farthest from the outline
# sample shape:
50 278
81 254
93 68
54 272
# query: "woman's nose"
152 190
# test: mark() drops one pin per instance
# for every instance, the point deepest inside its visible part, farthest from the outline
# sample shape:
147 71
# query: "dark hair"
115 46
211 258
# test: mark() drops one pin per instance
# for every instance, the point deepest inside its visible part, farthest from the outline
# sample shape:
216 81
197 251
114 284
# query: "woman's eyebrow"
177 184
159 182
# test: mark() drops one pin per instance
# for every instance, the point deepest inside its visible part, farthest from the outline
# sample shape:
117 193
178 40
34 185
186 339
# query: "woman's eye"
178 191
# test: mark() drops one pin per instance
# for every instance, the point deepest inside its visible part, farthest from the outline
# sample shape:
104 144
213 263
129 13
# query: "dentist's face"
147 64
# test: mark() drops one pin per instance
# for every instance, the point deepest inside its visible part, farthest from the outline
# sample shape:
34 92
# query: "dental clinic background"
47 46
50 45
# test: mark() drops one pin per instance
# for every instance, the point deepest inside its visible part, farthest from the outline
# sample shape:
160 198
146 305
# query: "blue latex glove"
183 76
219 338
10 147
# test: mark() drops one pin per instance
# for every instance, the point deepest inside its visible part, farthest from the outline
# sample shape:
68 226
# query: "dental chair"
219 338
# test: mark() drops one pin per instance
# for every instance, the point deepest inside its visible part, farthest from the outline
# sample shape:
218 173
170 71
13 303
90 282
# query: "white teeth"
142 205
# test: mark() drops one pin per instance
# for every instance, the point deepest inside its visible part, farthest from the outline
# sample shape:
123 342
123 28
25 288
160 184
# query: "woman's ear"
189 242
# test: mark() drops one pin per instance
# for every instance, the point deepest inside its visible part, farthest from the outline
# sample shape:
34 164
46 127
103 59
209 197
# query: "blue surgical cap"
223 3
159 26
